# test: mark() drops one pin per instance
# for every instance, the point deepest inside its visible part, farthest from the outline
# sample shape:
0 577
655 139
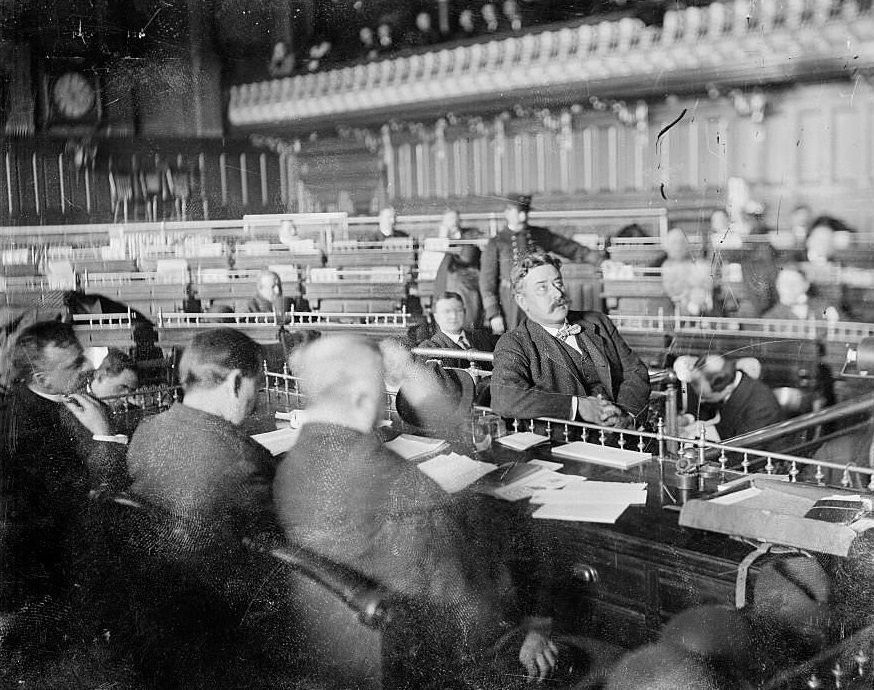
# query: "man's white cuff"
117 438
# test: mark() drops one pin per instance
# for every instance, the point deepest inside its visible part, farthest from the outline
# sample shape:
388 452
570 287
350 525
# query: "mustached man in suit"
565 364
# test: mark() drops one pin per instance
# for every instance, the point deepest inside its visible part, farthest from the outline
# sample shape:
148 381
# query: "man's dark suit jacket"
751 406
201 466
346 496
48 464
479 340
535 375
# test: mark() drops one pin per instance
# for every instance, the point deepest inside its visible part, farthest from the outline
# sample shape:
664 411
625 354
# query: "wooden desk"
650 568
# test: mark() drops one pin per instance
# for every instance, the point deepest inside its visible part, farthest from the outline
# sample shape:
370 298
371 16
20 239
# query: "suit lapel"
445 341
554 351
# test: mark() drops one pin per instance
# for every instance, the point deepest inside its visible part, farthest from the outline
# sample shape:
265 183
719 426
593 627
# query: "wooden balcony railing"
724 41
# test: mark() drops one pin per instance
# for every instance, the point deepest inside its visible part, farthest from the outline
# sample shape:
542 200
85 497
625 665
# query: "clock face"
73 95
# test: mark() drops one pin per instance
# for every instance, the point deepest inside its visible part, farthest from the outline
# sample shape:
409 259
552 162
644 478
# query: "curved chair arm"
370 601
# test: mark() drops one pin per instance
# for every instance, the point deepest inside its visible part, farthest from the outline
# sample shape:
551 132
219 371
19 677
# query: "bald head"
269 285
341 379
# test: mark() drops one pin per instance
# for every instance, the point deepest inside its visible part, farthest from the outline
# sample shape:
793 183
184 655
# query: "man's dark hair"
116 362
529 262
718 371
449 295
834 224
30 346
212 355
631 230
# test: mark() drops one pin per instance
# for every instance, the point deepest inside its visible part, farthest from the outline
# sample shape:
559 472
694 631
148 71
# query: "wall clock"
73 96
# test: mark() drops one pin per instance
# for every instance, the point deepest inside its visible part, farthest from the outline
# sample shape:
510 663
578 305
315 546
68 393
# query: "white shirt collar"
456 336
48 396
553 330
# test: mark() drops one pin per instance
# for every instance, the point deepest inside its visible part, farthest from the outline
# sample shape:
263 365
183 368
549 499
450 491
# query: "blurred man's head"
539 289
387 220
792 286
677 245
219 372
48 357
801 216
516 211
719 221
713 378
449 225
423 22
116 375
821 239
342 381
449 313
269 285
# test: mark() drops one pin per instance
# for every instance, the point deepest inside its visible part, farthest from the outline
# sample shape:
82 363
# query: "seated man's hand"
497 324
89 412
397 361
598 411
538 654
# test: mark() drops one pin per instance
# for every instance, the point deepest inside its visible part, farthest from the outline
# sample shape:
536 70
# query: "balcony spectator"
318 55
490 18
466 23
385 41
424 33
365 35
512 15
281 62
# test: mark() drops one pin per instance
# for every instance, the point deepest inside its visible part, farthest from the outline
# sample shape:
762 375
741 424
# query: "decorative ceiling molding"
726 43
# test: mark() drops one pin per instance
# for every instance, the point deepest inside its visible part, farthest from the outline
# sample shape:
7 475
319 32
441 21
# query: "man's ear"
520 300
234 381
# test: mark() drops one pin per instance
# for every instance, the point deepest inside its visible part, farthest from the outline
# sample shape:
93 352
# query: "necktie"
462 341
568 330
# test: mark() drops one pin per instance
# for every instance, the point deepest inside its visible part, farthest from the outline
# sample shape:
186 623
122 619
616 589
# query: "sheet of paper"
606 513
278 441
737 496
595 493
536 482
413 447
522 440
601 455
725 486
547 464
455 472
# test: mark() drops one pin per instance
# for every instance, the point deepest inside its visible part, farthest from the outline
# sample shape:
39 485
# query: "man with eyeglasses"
564 364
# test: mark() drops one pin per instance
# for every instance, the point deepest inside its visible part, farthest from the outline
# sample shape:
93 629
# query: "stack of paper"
523 480
589 502
278 441
455 472
601 455
412 447
522 440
